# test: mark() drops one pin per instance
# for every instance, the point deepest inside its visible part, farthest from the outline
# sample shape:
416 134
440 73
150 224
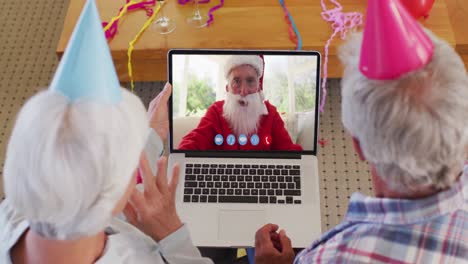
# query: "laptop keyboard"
241 183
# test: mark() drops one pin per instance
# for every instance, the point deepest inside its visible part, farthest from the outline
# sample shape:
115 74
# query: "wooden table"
458 13
240 24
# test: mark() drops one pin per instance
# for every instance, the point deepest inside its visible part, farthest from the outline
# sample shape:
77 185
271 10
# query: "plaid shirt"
382 230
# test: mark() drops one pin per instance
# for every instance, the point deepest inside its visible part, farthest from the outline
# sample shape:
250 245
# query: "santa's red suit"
271 132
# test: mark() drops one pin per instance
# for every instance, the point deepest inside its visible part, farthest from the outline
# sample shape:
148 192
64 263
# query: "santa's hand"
154 210
158 112
271 247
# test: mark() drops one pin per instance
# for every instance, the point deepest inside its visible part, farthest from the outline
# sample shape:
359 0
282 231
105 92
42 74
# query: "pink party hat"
394 43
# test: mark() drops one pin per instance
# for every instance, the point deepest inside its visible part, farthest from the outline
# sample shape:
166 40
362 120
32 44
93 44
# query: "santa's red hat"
238 60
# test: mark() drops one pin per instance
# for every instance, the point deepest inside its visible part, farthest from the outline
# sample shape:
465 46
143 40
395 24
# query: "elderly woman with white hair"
408 120
71 168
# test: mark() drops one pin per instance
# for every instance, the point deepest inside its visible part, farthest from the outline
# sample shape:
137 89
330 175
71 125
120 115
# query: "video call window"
203 95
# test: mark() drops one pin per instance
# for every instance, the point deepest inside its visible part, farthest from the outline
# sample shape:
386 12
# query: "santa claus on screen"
244 121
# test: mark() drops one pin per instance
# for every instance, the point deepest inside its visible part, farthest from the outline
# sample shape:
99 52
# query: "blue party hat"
86 70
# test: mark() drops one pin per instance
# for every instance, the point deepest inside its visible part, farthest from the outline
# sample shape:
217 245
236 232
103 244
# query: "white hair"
412 129
68 164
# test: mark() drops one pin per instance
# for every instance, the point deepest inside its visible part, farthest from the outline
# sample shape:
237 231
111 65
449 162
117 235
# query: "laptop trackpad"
240 225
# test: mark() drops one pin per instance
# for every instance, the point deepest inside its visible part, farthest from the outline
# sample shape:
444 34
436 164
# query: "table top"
240 24
458 14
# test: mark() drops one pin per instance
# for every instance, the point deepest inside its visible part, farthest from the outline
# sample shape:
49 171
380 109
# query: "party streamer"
212 10
293 31
137 37
183 2
341 23
110 28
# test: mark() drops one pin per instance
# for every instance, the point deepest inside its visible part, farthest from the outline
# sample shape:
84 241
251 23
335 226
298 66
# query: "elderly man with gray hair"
407 114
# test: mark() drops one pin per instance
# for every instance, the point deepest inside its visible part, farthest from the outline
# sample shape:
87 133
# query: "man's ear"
357 148
227 89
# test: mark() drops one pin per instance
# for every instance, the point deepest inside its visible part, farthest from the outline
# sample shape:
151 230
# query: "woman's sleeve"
178 248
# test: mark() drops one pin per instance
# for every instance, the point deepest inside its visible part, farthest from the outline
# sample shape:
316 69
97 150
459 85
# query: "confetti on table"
323 142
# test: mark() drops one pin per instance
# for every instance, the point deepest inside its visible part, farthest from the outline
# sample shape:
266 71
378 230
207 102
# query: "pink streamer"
212 10
183 2
341 23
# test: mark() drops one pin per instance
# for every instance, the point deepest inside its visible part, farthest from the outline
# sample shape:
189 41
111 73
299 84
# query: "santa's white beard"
244 119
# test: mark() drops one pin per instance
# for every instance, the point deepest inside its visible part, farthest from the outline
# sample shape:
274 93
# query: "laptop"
233 182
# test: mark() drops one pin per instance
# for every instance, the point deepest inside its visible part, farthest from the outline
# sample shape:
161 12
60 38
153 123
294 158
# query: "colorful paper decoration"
210 12
341 22
137 37
111 28
293 32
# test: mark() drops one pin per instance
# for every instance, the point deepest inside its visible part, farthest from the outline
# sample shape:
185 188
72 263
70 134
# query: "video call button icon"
219 139
231 139
242 139
255 139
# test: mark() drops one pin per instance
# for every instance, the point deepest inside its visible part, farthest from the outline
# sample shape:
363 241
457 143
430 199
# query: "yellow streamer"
122 12
137 37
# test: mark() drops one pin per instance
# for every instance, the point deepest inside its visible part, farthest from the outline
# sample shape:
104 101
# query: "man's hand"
271 247
154 211
158 112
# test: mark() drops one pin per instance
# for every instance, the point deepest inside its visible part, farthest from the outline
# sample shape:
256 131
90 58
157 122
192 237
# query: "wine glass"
164 24
197 19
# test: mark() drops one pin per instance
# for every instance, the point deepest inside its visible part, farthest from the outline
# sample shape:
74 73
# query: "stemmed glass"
197 19
164 24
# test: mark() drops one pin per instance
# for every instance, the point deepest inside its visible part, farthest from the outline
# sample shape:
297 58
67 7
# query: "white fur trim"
238 60
262 96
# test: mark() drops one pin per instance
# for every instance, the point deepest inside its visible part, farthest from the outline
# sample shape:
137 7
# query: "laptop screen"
237 101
